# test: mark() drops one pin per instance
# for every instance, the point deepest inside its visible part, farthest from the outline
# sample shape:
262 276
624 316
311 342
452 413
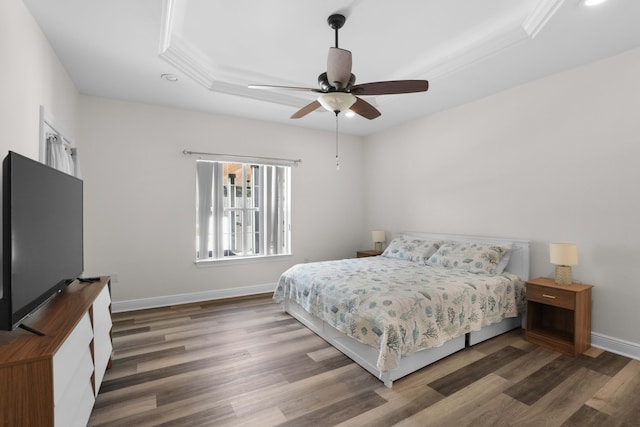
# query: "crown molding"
199 67
540 16
468 49
475 47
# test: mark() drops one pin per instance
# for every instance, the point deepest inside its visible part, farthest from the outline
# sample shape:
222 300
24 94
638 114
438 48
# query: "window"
242 210
56 146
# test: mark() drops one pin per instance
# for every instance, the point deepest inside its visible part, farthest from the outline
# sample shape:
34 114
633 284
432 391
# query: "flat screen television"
42 236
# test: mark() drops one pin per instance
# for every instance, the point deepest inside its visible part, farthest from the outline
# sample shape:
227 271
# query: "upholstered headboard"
519 258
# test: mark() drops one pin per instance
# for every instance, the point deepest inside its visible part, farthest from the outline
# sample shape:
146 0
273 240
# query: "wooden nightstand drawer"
550 296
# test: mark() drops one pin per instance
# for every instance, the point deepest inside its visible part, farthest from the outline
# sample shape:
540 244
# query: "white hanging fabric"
204 186
59 155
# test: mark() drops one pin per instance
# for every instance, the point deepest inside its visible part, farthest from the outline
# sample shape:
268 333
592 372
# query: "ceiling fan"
337 85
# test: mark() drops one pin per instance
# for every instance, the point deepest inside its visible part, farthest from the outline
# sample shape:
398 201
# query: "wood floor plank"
524 366
175 414
621 392
557 406
395 410
516 340
606 363
439 369
330 394
103 413
475 371
266 418
280 394
218 387
245 362
587 416
497 411
544 380
447 411
323 354
335 413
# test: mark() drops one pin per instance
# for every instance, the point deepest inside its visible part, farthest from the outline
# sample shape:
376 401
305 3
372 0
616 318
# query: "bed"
428 296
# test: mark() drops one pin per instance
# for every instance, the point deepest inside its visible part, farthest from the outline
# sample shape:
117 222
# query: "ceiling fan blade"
306 110
365 109
271 87
338 67
390 87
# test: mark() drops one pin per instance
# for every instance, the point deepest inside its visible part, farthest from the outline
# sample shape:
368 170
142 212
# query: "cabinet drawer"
102 316
104 299
74 407
69 357
102 336
551 296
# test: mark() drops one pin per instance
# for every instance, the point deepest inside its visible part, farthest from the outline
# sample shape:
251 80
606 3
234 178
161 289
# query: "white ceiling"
467 49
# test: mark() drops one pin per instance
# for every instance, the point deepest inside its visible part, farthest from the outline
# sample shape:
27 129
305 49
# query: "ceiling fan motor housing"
336 21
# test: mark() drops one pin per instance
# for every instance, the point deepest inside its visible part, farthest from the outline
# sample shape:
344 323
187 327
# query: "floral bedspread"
397 306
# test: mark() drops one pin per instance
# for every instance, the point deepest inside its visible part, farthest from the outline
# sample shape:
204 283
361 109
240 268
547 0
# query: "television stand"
54 380
30 329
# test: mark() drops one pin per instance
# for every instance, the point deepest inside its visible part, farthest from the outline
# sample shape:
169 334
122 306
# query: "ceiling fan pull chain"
337 159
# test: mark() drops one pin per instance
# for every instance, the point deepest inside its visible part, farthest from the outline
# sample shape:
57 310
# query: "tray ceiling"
466 49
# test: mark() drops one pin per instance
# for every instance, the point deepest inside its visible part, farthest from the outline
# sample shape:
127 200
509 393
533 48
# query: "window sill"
241 260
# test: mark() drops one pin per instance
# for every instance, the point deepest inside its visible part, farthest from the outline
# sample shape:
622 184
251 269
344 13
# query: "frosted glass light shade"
336 101
563 254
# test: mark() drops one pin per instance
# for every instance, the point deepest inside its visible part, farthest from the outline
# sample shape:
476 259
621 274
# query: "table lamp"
563 256
378 237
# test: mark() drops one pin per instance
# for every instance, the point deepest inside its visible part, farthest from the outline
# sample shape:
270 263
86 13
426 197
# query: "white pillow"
415 250
481 258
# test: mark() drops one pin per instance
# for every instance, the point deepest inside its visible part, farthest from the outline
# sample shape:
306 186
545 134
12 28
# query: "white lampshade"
563 253
336 101
377 236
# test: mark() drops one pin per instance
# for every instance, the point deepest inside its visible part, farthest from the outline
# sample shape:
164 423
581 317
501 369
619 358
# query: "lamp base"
563 275
378 246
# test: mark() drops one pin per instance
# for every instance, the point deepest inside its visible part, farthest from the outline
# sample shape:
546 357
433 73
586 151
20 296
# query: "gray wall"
31 76
552 160
140 196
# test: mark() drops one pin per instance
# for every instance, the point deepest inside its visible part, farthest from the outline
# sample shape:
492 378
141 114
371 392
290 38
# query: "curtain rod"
235 156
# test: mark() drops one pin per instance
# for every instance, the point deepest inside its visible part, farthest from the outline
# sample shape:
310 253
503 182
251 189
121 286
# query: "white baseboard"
616 345
139 304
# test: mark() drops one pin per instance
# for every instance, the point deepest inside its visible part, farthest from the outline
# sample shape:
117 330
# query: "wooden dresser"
53 380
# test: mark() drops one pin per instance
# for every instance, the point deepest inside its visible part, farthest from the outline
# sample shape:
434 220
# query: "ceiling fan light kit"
337 85
336 101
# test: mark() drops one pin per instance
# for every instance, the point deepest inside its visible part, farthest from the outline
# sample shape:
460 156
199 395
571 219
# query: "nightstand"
559 316
371 252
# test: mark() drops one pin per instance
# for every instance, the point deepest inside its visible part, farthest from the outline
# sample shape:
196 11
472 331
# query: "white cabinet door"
72 370
102 335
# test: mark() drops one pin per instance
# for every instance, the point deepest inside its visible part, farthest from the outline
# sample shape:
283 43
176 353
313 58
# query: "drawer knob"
548 296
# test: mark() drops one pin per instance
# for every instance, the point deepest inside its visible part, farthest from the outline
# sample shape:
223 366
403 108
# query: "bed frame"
366 356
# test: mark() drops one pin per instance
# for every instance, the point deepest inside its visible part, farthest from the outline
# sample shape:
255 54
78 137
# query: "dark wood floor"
246 362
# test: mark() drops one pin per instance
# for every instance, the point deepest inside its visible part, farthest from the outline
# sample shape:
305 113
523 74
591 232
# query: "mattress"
400 307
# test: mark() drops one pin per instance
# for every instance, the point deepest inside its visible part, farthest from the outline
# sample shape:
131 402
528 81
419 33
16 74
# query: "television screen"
42 235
